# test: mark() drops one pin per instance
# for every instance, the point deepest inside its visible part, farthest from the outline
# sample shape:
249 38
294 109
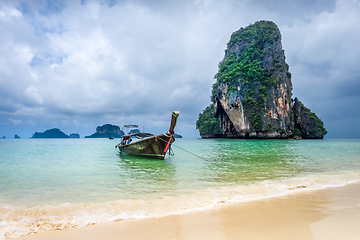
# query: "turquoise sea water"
48 184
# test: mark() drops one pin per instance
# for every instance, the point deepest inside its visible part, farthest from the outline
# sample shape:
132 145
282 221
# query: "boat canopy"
139 135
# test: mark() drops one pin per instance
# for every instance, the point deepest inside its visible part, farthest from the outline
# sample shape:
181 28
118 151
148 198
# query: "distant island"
51 133
177 136
74 135
252 95
107 131
16 136
133 131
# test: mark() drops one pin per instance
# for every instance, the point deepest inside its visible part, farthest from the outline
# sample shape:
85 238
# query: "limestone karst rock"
107 131
50 133
252 95
74 135
307 124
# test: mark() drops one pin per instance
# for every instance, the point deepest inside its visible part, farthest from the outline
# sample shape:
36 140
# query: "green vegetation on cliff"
261 31
246 65
207 123
319 125
251 67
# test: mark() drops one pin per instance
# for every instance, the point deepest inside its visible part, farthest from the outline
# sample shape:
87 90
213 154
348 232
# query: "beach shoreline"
331 213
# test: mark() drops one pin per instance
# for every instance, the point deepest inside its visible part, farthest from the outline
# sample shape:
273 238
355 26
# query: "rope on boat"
192 153
168 143
182 149
213 163
171 152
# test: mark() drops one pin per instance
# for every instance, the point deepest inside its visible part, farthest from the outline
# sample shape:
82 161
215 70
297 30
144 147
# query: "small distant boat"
149 145
111 138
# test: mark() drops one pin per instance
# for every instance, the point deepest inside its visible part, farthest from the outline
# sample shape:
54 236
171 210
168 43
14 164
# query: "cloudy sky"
78 64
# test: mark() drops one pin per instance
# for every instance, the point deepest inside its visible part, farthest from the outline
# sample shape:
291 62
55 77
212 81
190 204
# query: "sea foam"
18 221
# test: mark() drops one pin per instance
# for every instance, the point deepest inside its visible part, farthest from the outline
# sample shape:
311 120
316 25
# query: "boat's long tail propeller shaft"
174 117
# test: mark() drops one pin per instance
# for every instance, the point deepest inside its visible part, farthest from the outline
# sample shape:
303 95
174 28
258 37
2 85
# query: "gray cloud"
351 87
76 65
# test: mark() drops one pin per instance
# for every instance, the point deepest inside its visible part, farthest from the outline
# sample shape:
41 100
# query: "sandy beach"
332 213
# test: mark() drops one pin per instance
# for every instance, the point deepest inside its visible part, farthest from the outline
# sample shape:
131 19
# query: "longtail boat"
147 144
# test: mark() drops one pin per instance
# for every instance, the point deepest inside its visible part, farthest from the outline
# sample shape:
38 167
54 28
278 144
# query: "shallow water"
48 184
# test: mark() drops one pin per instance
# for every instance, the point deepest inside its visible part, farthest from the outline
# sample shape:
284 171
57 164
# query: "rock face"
307 124
107 131
51 133
252 95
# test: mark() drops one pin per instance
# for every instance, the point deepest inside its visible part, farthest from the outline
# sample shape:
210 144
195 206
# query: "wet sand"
328 214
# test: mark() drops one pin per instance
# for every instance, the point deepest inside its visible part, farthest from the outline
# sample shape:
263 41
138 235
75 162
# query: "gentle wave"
18 221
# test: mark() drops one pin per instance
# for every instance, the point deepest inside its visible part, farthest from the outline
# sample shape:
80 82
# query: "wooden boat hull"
152 147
